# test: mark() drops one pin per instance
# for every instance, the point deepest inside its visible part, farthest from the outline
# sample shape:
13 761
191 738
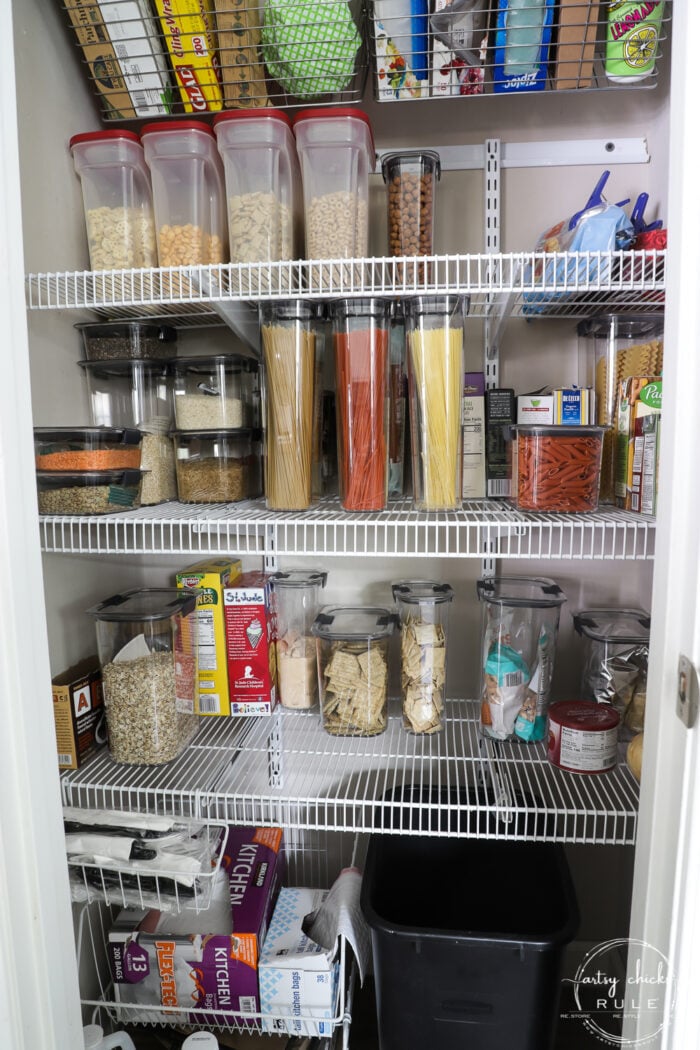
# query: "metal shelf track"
452 783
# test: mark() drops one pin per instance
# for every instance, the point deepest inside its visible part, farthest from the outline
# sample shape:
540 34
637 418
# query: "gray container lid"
417 592
513 591
614 626
145 603
354 623
299 578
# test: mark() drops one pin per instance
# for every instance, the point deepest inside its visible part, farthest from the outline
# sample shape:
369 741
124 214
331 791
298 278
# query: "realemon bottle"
632 39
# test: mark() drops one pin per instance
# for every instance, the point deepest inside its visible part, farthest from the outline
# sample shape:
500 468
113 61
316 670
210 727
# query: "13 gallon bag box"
78 713
298 978
250 639
211 578
206 961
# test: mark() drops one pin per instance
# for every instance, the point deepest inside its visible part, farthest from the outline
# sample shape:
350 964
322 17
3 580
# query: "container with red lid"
117 199
262 177
336 153
188 192
582 736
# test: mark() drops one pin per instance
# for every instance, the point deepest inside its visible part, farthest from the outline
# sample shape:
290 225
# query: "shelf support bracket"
492 243
270 555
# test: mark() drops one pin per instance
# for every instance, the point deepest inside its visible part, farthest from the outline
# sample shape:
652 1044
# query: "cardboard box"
629 392
500 414
78 713
574 406
238 38
473 437
298 978
643 463
535 408
187 26
522 52
396 54
155 960
210 578
443 77
577 27
101 58
250 636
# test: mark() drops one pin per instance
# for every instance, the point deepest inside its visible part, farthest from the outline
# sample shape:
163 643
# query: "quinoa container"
110 340
217 466
220 391
88 491
296 602
74 449
147 646
423 607
353 668
582 736
556 468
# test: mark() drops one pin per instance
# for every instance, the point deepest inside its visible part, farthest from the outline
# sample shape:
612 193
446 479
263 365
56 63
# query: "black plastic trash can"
467 940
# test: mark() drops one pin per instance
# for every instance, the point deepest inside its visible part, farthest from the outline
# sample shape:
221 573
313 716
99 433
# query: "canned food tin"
583 736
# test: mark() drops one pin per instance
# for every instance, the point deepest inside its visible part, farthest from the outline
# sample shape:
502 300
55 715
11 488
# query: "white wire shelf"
532 284
287 771
249 528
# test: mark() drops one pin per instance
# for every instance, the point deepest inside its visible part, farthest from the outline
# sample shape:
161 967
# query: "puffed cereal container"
117 199
296 599
423 607
353 656
147 647
555 468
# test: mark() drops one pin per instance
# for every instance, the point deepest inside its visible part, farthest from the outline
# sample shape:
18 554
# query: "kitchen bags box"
250 644
78 712
157 960
298 978
210 579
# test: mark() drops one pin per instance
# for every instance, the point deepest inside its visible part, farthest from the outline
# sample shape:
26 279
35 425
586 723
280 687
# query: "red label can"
582 736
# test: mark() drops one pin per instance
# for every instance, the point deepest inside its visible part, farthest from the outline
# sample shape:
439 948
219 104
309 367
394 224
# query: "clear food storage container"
289 360
398 398
138 393
615 661
86 448
336 153
411 180
361 340
117 199
88 491
188 192
520 626
147 646
435 346
423 608
353 659
109 340
555 468
262 175
221 391
217 466
296 598
613 347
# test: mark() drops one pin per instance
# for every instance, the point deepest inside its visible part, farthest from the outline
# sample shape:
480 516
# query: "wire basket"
512 48
162 58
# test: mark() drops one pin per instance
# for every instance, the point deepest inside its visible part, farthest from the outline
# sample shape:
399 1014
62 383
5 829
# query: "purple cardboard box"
156 963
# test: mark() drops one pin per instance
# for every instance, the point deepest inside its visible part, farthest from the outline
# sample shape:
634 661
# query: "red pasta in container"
556 468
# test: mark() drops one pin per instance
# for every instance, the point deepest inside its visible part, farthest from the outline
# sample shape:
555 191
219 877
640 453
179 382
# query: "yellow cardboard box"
210 578
188 30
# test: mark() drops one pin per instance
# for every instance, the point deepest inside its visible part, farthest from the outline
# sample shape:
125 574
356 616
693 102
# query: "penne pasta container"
435 348
519 639
361 341
556 468
289 364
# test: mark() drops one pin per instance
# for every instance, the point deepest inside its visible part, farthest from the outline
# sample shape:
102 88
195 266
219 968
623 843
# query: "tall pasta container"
361 341
423 608
289 360
147 646
296 602
520 627
435 344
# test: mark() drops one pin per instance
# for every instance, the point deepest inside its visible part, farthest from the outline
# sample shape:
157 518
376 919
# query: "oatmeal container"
147 646
423 607
353 654
188 192
296 597
220 391
117 199
217 466
520 626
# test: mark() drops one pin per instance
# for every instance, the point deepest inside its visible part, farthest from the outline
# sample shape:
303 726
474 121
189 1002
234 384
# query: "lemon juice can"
633 33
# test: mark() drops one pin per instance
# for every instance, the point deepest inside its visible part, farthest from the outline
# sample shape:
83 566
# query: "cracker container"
353 652
520 626
289 360
147 646
117 199
296 597
188 192
435 348
423 608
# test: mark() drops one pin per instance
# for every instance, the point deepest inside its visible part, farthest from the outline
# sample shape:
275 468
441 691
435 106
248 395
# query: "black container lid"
299 578
520 591
206 364
109 368
417 592
354 623
145 603
426 158
165 333
67 479
67 435
614 626
255 434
